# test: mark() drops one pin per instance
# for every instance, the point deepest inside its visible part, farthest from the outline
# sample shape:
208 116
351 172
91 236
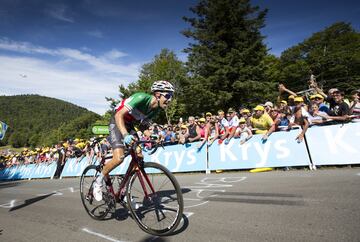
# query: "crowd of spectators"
297 110
59 153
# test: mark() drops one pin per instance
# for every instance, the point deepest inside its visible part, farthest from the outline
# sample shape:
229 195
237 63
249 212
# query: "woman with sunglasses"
139 107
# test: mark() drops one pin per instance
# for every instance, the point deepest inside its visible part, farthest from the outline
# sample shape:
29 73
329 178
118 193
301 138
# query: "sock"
99 179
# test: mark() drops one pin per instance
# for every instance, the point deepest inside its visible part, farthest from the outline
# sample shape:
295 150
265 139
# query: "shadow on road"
181 228
30 201
6 184
243 197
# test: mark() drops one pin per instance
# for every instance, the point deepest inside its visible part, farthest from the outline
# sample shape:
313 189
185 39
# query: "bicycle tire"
96 210
163 205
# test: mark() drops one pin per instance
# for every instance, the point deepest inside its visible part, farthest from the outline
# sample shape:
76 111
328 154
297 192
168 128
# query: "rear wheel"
161 211
96 209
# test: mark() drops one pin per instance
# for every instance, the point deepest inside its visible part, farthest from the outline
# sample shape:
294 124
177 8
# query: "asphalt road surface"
297 205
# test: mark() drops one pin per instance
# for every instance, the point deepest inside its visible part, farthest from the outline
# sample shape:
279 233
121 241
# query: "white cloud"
75 76
99 63
114 54
59 12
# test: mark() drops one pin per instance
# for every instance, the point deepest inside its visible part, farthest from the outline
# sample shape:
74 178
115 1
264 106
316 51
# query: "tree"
226 59
165 66
333 55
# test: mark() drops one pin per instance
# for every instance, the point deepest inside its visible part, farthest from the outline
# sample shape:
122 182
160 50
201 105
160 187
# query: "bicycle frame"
137 165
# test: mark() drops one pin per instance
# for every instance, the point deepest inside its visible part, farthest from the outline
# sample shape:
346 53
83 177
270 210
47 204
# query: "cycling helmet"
162 86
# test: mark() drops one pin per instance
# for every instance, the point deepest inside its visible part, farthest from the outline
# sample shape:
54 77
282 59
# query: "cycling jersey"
138 107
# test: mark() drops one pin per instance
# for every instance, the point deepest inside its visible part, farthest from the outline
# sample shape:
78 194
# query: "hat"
259 108
316 96
202 120
242 120
245 110
284 102
208 114
356 91
298 99
231 110
183 126
332 90
270 104
291 97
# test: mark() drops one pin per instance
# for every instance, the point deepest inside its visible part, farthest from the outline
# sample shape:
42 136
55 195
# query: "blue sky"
81 51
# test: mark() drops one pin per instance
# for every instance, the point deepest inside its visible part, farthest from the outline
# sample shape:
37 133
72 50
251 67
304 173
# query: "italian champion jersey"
138 107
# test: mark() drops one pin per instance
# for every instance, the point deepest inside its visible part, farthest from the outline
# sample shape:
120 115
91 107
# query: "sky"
81 51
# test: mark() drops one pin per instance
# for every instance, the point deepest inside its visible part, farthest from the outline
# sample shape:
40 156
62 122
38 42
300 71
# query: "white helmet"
162 86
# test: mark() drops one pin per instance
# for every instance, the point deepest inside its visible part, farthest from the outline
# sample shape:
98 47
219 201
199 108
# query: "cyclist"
138 107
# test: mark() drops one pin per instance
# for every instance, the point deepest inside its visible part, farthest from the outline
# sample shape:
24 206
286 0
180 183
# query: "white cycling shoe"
97 192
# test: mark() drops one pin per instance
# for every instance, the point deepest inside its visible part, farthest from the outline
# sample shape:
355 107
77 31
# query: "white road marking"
192 199
101 235
188 214
196 205
10 204
208 184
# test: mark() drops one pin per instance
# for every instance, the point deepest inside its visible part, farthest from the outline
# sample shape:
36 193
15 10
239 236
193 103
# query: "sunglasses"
167 95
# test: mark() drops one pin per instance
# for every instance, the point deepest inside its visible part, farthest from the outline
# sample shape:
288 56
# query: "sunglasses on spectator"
167 95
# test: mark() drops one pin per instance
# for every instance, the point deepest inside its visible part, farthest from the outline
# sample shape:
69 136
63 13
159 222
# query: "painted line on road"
101 235
10 204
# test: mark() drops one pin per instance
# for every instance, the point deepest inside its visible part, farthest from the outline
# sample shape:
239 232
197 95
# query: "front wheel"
96 209
155 199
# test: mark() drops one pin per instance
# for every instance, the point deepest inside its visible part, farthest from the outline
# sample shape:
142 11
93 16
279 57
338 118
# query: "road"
296 205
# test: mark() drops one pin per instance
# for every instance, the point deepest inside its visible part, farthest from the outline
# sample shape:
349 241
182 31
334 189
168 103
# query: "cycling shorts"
116 139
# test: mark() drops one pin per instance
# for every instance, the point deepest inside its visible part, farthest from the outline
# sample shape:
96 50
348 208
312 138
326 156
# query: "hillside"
37 120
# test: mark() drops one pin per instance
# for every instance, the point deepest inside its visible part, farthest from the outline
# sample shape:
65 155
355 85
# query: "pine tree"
226 58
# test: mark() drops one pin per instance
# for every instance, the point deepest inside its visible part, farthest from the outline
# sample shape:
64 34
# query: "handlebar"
154 148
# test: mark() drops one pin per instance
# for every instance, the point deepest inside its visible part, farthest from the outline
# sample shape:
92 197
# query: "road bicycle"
148 190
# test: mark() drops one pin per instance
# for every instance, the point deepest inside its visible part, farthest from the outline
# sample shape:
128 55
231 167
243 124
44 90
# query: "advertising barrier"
280 150
327 145
335 144
30 171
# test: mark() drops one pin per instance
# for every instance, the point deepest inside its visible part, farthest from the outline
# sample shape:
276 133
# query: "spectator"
300 117
290 102
355 103
214 130
208 116
233 124
223 126
261 121
183 134
193 134
276 116
268 106
169 136
243 132
61 149
203 130
339 110
316 116
245 113
146 137
319 100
